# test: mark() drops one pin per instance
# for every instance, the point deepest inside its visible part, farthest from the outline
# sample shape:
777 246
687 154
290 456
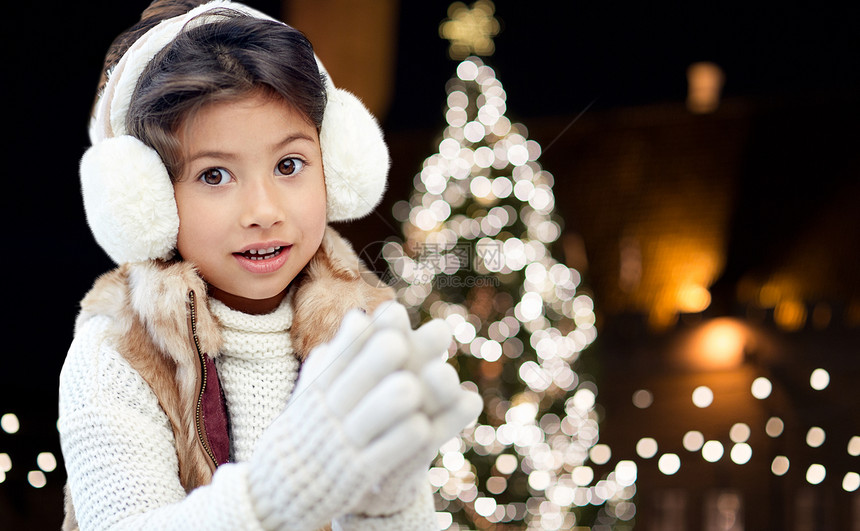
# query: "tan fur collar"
155 294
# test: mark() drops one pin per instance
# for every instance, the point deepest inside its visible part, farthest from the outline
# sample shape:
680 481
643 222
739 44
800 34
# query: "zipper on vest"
198 410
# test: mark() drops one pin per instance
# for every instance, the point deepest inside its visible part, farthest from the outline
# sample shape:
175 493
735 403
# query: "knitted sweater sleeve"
120 455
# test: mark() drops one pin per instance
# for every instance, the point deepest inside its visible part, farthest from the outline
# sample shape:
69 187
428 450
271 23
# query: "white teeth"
270 250
262 254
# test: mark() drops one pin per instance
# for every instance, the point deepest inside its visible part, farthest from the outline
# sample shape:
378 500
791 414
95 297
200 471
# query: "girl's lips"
263 259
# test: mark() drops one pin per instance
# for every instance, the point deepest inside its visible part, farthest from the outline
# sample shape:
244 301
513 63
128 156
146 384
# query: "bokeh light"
646 448
712 451
854 446
851 482
693 441
741 453
774 427
9 423
36 479
643 398
46 461
816 473
669 464
819 379
740 432
815 437
600 454
780 465
761 388
703 396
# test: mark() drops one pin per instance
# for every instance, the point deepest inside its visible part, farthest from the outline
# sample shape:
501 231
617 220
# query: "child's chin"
257 301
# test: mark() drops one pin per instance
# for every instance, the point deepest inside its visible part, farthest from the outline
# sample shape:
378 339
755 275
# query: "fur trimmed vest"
163 328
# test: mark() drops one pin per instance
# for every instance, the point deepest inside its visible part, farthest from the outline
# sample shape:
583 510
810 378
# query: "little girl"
235 371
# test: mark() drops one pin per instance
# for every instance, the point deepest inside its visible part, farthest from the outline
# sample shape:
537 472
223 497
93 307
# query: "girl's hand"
354 417
449 408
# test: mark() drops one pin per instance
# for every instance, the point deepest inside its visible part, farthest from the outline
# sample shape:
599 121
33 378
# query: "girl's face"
251 198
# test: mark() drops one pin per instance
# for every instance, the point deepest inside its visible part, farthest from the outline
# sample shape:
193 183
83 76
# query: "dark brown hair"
216 61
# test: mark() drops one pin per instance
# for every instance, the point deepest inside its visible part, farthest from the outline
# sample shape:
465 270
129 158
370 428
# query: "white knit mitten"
449 407
353 418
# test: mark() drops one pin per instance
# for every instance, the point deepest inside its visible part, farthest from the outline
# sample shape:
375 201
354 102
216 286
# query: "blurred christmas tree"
479 231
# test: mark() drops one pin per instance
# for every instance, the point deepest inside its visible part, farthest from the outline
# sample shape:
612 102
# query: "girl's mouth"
261 254
264 259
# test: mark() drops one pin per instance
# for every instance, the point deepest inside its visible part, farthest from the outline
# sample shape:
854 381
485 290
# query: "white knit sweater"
118 444
257 371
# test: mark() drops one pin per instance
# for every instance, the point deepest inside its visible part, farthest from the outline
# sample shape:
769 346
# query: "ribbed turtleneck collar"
254 336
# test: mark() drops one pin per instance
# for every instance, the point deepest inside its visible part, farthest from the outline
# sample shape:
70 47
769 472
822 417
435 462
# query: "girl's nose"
261 207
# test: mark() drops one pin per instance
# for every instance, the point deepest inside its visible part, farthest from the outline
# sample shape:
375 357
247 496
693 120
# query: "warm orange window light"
693 298
790 315
705 83
718 344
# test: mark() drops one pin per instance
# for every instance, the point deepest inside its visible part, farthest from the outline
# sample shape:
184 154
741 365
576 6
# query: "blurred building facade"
723 248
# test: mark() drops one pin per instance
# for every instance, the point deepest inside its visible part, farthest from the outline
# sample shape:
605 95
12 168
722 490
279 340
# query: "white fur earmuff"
127 192
128 199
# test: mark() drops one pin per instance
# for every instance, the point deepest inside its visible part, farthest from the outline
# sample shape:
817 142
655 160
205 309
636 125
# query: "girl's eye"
290 166
215 176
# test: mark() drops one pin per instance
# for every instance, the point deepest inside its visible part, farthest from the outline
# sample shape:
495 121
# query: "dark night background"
797 62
